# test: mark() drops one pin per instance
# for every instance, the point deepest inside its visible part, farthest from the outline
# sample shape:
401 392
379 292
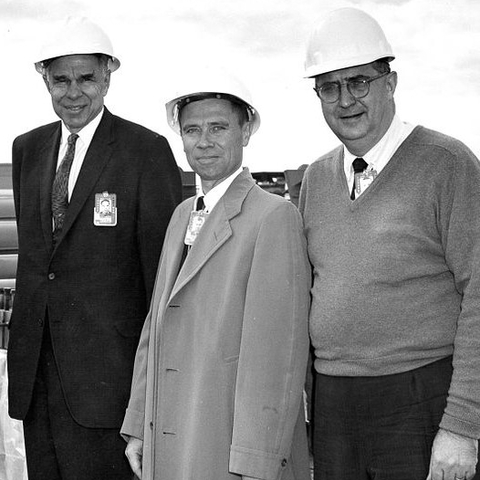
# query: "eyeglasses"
330 92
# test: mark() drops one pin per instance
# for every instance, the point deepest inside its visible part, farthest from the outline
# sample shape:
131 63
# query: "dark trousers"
58 448
378 428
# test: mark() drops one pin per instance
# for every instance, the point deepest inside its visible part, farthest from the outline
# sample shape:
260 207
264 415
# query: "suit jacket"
95 285
219 372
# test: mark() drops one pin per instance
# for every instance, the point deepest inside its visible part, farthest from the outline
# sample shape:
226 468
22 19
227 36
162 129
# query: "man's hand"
453 457
134 453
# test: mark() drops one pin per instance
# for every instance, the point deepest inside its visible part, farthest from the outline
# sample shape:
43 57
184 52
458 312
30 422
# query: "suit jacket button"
40 322
51 276
284 462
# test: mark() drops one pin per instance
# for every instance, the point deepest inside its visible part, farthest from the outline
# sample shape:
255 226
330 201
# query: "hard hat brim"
316 70
172 108
113 62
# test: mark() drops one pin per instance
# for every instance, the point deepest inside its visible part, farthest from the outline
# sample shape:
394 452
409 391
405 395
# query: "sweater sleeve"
461 237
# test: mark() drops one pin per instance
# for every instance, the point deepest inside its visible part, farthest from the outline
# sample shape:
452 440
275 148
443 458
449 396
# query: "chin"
355 133
75 125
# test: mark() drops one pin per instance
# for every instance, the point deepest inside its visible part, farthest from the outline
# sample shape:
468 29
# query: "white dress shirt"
382 152
84 139
212 197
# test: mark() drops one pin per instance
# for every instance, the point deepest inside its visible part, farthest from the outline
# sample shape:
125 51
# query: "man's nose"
74 90
205 140
345 98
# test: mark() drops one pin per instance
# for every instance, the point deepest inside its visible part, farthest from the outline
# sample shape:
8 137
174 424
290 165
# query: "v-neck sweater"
397 271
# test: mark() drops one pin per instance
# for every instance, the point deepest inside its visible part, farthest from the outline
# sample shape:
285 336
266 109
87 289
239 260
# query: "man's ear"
107 82
392 82
246 132
45 80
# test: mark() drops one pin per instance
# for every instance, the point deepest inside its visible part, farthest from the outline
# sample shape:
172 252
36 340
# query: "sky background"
436 42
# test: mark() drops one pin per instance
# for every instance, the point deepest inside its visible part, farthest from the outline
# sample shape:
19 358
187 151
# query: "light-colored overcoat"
220 368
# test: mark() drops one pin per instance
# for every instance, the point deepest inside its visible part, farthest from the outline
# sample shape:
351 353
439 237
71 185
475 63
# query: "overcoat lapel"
212 238
97 157
174 244
47 162
215 233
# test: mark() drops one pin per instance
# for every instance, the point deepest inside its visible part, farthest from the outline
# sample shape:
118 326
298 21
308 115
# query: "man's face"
213 139
77 85
360 123
105 206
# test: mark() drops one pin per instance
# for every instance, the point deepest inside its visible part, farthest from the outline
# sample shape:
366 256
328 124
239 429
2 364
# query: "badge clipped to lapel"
195 224
363 180
105 211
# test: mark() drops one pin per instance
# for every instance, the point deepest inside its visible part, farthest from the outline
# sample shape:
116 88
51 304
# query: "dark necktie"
60 187
200 204
359 165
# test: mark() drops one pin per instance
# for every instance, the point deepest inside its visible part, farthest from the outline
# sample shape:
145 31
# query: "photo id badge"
105 211
195 223
363 180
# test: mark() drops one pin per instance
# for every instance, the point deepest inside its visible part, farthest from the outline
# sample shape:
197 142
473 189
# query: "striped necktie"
60 187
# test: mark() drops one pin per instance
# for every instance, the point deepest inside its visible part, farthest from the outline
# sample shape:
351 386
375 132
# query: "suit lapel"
215 233
48 156
98 155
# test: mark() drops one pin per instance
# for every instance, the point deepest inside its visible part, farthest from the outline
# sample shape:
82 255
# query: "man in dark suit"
84 279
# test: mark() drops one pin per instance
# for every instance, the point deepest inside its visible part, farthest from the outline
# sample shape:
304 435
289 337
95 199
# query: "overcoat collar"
98 155
214 234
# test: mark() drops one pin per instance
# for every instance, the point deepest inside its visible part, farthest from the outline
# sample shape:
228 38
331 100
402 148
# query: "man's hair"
381 66
240 109
242 112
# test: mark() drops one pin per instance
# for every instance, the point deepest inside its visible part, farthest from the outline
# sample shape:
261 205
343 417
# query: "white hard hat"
210 83
77 36
344 38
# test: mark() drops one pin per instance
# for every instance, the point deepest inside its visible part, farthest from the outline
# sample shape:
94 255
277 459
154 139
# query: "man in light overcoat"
219 372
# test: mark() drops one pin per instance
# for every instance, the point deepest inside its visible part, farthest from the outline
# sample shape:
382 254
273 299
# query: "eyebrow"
355 77
87 75
209 124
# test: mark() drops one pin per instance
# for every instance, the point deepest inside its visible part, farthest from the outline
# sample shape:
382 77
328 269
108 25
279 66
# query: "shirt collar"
379 155
212 197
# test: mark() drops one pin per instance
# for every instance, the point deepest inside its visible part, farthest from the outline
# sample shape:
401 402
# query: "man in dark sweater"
392 219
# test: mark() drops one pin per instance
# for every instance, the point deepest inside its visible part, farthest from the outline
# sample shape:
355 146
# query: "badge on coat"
363 180
105 211
195 223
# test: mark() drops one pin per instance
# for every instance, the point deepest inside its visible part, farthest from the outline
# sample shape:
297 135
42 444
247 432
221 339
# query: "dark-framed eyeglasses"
330 92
